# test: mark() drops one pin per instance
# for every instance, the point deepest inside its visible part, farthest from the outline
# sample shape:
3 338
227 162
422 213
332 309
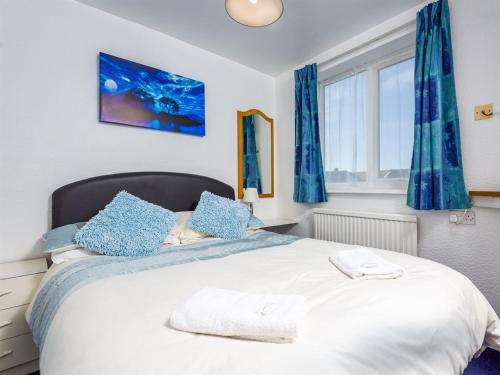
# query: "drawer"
16 351
22 268
25 368
12 322
18 290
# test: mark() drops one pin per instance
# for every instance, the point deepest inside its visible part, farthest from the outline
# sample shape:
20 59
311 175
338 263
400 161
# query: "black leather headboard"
81 200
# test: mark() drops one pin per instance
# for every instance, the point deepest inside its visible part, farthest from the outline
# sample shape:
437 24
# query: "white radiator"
383 231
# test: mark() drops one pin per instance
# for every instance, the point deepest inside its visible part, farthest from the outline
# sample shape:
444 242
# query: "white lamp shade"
251 195
254 13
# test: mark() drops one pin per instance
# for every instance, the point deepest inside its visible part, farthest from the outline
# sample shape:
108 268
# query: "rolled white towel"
266 317
361 263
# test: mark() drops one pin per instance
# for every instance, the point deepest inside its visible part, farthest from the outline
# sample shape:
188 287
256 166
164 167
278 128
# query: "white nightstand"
278 225
18 283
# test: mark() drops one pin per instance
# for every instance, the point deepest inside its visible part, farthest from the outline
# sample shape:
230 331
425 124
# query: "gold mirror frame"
241 114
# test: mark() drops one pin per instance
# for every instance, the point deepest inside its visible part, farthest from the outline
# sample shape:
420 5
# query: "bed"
433 320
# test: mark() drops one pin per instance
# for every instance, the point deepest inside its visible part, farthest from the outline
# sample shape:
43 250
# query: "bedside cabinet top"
277 222
22 268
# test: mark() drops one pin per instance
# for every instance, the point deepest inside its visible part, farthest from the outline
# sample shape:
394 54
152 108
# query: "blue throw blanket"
86 271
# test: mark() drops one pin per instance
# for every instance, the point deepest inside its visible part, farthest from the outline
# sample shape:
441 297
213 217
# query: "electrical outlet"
469 218
466 218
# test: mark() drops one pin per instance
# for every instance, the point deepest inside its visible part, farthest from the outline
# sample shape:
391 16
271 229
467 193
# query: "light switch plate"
483 111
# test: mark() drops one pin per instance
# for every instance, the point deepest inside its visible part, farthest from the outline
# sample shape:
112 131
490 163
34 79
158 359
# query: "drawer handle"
5 292
5 354
5 324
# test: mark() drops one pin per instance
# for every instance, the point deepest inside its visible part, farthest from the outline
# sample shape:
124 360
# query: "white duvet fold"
361 263
266 317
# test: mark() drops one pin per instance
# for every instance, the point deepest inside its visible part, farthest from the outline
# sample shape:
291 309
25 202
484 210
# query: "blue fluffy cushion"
61 239
255 223
220 217
128 226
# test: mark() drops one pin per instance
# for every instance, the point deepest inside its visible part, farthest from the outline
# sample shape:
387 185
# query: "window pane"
396 111
345 129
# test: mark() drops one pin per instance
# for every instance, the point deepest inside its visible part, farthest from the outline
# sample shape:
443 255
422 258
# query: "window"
396 105
368 126
345 129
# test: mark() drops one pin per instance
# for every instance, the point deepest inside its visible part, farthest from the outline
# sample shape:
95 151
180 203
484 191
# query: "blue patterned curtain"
309 184
436 177
251 173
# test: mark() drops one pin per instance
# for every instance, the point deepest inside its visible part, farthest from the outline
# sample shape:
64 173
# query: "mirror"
255 153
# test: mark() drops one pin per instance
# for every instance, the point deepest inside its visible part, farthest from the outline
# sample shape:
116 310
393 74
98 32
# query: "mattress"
433 320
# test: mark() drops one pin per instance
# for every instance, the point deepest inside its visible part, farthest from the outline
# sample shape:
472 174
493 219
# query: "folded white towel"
265 317
361 263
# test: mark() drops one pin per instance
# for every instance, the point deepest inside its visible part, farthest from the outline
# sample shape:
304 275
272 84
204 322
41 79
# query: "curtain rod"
367 43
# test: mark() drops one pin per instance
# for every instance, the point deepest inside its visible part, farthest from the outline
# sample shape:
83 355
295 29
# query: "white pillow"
58 258
182 230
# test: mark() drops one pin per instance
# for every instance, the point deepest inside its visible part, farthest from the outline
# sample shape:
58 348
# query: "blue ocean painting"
138 95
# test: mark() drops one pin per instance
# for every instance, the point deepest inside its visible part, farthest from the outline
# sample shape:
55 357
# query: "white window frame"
373 183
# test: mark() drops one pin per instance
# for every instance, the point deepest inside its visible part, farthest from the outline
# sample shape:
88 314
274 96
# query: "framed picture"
138 95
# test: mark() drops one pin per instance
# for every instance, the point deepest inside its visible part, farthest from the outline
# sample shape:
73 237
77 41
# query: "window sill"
366 191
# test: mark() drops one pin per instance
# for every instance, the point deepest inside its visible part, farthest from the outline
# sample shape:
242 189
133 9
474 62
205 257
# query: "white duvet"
433 320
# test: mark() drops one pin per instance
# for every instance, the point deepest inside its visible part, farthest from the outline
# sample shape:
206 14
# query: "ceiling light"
254 13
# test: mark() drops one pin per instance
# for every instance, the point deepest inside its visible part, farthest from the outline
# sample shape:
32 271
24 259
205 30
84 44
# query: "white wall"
49 133
472 250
